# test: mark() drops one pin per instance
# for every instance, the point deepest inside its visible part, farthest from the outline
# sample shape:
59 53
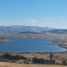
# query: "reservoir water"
30 45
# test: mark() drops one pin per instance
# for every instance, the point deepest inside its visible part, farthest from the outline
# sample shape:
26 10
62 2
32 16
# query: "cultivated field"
5 64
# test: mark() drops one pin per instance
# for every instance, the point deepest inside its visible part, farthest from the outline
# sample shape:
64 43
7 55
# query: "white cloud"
53 22
47 18
62 17
50 18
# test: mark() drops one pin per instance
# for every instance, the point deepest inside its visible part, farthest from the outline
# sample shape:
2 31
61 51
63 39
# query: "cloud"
55 18
50 18
62 17
47 18
53 22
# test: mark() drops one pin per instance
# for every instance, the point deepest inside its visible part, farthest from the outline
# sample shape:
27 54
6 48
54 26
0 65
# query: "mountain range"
31 29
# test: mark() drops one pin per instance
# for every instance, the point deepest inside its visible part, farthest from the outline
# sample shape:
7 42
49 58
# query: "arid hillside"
47 35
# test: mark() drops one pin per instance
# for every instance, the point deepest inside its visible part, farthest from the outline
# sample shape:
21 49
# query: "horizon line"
31 26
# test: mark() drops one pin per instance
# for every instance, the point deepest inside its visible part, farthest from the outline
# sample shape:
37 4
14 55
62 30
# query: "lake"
30 45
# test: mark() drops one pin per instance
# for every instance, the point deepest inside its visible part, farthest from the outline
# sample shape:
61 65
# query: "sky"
45 13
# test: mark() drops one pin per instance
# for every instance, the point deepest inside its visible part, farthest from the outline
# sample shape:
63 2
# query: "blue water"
30 45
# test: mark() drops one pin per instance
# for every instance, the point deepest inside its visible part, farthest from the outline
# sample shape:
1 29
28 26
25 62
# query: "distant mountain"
59 31
23 29
30 29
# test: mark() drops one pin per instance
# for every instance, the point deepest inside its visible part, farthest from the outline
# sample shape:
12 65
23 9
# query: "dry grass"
36 55
5 64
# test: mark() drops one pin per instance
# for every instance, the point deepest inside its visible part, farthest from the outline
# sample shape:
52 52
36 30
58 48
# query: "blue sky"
46 13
